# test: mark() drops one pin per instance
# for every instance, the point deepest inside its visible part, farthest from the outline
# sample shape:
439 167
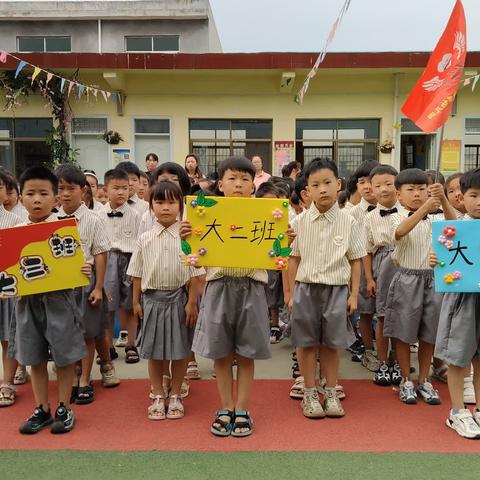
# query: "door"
30 154
416 151
93 154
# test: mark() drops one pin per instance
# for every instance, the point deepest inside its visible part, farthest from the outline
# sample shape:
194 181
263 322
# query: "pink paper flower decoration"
277 214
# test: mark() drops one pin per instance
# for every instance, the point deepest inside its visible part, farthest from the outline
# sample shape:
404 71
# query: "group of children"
368 253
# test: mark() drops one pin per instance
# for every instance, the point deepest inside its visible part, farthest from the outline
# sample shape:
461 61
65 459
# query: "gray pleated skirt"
165 335
274 289
7 307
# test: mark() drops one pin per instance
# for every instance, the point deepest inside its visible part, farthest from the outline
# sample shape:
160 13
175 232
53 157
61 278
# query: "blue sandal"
226 426
247 423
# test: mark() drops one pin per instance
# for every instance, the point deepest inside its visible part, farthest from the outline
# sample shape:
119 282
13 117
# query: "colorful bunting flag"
62 84
20 67
3 56
81 88
36 71
49 77
70 86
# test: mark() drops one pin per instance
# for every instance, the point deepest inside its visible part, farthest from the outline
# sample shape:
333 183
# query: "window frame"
44 37
126 37
134 135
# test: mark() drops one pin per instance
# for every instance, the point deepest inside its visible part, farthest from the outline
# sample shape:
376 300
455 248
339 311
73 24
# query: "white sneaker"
370 361
311 405
122 339
332 404
468 391
476 417
463 423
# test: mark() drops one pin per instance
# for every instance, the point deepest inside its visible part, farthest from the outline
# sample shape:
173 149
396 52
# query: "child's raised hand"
185 229
432 259
436 190
86 269
96 296
291 235
432 204
352 304
191 312
138 311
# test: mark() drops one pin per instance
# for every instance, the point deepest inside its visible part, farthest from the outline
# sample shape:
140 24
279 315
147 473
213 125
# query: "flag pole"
439 155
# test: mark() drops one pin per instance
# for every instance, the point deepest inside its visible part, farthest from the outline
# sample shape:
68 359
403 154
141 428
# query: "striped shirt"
379 229
122 231
93 235
359 211
97 206
8 219
20 211
141 206
158 260
147 222
348 206
325 243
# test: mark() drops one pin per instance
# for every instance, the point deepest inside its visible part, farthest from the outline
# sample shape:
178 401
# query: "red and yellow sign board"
40 258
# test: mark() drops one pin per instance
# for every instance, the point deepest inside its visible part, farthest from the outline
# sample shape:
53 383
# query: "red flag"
430 102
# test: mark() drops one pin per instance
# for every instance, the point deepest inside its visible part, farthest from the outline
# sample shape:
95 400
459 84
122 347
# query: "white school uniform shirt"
326 243
348 206
20 211
378 228
147 222
122 231
97 206
158 260
8 219
92 230
141 206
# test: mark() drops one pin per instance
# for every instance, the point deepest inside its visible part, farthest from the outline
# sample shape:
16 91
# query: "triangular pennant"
109 94
475 80
3 56
36 71
81 88
105 96
20 67
49 77
95 92
62 84
466 82
70 86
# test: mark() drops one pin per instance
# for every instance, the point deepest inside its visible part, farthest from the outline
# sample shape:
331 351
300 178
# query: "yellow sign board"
40 258
450 159
237 232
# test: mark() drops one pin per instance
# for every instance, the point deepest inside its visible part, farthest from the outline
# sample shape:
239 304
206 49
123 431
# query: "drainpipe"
396 131
99 29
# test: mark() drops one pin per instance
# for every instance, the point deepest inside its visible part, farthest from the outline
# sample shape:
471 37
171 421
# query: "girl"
170 293
192 168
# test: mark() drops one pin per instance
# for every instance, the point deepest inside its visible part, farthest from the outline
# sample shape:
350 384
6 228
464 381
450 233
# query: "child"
101 194
143 188
141 206
378 227
325 258
233 319
46 322
7 388
454 194
12 201
458 341
353 196
366 302
122 223
412 308
96 190
91 300
169 292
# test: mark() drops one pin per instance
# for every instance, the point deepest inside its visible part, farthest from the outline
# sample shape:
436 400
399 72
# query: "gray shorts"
165 335
7 307
233 318
383 271
43 322
366 304
117 283
319 316
458 337
274 289
94 319
413 307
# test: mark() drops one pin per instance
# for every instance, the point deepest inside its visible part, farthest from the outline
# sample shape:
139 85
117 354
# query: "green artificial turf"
257 465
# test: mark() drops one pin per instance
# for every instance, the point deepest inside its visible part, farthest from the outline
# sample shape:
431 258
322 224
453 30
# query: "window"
44 44
347 142
472 144
155 43
214 140
152 135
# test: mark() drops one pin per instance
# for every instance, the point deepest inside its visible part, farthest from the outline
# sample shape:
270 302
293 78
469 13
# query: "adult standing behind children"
192 168
151 161
260 175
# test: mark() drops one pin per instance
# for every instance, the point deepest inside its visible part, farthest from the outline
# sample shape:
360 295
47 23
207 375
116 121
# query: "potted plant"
386 146
112 138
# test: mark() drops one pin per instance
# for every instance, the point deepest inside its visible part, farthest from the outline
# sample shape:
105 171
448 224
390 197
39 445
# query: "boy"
353 196
122 223
413 307
46 321
454 194
233 318
325 257
378 227
91 301
144 187
12 202
7 388
141 206
458 341
366 302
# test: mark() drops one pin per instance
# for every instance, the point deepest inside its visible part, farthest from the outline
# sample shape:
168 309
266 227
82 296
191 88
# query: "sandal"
193 373
85 395
7 395
175 408
296 391
131 355
156 411
185 389
225 427
440 373
73 394
247 423
21 376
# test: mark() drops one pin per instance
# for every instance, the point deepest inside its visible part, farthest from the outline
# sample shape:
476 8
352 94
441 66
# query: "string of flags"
70 85
301 93
471 80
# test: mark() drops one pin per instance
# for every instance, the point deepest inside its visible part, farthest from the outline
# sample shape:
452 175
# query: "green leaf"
209 202
201 199
285 252
186 248
277 247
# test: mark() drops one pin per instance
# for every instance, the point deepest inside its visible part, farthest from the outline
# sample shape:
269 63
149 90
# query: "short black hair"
435 177
130 168
115 174
166 190
351 186
470 179
300 185
153 155
383 170
365 168
39 173
266 188
411 176
342 199
236 164
294 198
174 169
144 175
285 183
290 167
11 183
90 173
451 178
320 164
5 178
71 174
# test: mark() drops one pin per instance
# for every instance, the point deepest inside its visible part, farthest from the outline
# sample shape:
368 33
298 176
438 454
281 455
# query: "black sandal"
85 395
227 426
131 355
73 395
248 423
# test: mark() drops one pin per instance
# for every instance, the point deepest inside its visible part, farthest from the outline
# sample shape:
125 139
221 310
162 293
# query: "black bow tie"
130 202
114 214
411 213
384 213
371 207
437 212
66 217
54 210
